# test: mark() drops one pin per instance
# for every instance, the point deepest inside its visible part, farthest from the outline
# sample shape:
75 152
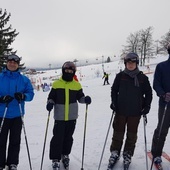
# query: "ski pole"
159 134
144 123
84 137
26 141
3 118
106 140
45 140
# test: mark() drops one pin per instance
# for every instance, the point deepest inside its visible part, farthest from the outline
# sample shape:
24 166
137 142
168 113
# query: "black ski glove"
49 106
87 99
112 106
145 110
167 97
6 99
19 96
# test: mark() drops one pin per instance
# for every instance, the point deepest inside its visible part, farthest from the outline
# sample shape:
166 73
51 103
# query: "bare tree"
165 40
146 46
108 60
133 42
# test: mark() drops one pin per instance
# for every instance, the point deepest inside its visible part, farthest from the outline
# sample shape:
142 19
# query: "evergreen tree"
7 36
108 60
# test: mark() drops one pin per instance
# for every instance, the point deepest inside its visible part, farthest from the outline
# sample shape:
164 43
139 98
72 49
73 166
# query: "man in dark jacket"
161 85
15 89
63 97
131 97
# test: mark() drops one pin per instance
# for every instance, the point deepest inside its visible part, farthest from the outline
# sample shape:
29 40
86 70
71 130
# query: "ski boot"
113 159
12 167
56 164
66 160
127 159
158 163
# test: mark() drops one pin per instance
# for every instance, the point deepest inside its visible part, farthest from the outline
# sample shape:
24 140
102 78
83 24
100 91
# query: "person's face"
12 65
131 65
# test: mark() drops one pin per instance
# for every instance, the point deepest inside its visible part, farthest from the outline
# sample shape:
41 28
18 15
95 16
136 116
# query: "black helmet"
133 57
71 66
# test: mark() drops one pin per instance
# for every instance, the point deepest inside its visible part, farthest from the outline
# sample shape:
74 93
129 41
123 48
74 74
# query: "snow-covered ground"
99 115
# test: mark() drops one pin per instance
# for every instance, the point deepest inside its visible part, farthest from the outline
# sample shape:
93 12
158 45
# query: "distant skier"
63 96
106 78
161 85
46 87
131 96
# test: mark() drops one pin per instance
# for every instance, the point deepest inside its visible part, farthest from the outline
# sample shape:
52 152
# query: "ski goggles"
133 60
13 58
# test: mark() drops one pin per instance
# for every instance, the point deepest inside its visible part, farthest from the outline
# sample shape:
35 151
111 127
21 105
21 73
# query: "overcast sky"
53 31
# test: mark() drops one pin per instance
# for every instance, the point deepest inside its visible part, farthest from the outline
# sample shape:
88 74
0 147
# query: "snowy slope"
98 119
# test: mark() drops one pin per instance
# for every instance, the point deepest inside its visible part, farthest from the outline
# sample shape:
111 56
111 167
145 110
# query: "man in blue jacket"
15 89
161 85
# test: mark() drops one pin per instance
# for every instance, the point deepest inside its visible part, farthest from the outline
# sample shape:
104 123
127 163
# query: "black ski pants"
62 140
120 124
11 129
106 80
159 141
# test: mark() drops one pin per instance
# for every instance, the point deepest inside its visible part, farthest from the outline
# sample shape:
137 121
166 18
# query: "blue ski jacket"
161 83
10 83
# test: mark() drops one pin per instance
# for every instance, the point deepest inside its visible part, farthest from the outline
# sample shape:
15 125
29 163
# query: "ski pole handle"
145 119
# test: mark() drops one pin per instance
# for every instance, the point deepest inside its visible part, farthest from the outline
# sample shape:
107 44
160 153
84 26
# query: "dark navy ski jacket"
161 82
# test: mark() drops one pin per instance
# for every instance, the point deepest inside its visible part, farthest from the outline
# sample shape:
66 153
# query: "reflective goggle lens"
133 60
14 58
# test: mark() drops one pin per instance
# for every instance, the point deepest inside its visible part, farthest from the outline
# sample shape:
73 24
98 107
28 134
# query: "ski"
166 156
157 166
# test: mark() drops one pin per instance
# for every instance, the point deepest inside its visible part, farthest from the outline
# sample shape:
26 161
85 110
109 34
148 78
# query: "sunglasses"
14 58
